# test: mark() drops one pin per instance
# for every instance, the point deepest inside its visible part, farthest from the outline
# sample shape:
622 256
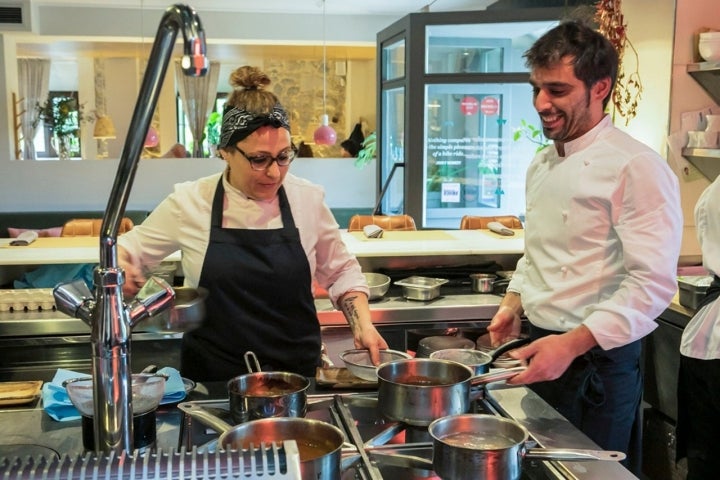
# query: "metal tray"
421 288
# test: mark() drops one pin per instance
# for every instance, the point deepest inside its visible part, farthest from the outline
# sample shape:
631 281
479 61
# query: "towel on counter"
57 404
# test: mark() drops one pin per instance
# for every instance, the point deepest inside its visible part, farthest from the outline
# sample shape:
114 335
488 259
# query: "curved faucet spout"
111 320
194 62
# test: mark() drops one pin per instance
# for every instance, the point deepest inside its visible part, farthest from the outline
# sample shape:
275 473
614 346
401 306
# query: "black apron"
601 394
260 299
697 409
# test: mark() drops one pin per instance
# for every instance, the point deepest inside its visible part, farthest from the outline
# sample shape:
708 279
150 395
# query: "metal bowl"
359 364
187 312
147 391
378 283
421 288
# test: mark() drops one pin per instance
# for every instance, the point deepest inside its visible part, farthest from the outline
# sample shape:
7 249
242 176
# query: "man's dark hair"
594 56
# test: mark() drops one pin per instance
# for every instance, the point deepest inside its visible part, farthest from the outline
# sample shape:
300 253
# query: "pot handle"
507 346
249 355
496 376
197 412
572 454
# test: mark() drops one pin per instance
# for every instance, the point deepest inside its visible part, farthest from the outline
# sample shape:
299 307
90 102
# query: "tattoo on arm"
351 313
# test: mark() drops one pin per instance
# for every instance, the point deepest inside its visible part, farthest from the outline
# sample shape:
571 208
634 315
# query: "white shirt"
182 222
701 337
602 239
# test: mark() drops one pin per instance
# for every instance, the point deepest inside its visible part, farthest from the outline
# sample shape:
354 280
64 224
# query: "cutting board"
19 393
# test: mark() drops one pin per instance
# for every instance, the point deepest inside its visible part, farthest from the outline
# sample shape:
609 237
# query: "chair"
386 222
470 222
90 227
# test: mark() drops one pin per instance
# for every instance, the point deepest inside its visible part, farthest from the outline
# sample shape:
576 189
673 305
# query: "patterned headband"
238 123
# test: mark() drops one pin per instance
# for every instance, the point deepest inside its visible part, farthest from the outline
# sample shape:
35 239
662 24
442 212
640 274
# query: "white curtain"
34 84
197 95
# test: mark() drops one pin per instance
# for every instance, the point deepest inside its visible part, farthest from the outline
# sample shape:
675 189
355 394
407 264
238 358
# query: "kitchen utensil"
433 343
319 443
482 282
359 363
702 139
709 46
499 228
266 394
147 391
478 360
421 288
472 446
187 312
378 283
416 391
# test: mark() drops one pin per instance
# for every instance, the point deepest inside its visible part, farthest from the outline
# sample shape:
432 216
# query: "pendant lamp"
324 134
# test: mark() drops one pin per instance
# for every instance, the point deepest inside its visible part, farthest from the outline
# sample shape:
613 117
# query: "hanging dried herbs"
628 87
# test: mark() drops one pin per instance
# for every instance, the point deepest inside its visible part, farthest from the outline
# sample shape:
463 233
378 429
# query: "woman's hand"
354 306
134 277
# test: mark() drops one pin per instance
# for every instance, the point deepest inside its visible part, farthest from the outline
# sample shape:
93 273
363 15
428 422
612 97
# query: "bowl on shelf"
709 46
358 362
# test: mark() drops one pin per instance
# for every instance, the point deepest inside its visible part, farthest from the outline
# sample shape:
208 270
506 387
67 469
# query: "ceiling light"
324 134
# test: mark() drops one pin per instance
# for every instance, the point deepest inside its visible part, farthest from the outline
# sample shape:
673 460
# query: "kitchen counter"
444 243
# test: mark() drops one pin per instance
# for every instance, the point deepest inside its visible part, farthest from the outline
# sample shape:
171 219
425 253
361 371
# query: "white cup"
713 123
702 139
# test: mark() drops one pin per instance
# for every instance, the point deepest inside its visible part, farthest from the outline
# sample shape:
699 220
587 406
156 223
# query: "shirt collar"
586 140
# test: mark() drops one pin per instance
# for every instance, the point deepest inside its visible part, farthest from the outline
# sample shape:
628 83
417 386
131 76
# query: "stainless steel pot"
266 394
419 390
187 312
319 443
473 446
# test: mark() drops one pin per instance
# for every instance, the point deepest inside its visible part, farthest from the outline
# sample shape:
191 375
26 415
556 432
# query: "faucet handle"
70 298
154 297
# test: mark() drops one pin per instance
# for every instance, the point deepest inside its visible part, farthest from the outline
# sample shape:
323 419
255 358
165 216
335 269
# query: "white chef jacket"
602 238
182 222
701 337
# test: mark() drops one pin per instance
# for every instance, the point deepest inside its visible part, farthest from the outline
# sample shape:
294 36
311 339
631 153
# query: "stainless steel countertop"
31 426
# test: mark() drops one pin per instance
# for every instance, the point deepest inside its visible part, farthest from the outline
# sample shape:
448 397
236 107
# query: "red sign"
469 106
490 106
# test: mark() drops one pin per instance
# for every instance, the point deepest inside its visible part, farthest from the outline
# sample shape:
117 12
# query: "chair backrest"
470 222
386 222
90 227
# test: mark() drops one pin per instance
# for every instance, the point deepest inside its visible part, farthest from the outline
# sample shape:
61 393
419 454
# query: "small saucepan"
471 446
319 443
416 391
488 283
478 360
266 394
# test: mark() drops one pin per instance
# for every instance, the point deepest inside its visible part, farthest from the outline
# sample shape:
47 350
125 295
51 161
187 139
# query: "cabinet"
453 90
707 160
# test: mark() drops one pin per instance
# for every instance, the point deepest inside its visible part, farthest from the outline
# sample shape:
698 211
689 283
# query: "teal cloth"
48 276
57 404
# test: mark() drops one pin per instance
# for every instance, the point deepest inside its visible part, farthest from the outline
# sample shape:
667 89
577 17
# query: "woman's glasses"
263 161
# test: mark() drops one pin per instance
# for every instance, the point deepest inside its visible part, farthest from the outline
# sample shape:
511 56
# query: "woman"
255 237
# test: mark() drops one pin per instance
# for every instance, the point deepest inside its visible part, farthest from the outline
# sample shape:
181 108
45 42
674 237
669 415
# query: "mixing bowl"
378 283
147 391
359 363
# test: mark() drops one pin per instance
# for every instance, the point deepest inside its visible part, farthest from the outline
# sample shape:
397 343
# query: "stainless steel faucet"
110 319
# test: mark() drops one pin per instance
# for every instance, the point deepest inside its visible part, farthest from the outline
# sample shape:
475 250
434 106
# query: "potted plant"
62 116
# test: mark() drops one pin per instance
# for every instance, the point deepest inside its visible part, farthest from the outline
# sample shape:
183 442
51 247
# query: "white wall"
86 185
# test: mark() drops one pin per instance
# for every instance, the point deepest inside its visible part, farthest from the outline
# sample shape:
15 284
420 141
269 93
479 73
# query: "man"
602 239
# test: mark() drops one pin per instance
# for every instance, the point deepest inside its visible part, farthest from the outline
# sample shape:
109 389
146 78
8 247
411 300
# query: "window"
61 114
212 128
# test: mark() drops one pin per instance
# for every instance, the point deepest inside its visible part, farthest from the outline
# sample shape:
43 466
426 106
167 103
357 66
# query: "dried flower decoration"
628 88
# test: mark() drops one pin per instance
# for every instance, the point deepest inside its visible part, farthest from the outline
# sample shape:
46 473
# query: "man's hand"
134 277
505 324
548 357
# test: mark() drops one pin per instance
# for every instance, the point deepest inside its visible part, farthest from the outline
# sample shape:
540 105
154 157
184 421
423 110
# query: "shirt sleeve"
648 220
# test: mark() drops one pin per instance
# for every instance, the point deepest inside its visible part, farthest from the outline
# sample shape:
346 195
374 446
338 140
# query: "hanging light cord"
324 60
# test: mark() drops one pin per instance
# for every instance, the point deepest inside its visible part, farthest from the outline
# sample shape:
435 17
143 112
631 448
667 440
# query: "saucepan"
479 446
416 391
479 361
259 394
319 443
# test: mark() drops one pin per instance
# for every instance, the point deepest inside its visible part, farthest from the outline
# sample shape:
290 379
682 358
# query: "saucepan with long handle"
472 446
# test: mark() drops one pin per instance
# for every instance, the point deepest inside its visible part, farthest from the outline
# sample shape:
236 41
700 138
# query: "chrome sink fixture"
110 319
